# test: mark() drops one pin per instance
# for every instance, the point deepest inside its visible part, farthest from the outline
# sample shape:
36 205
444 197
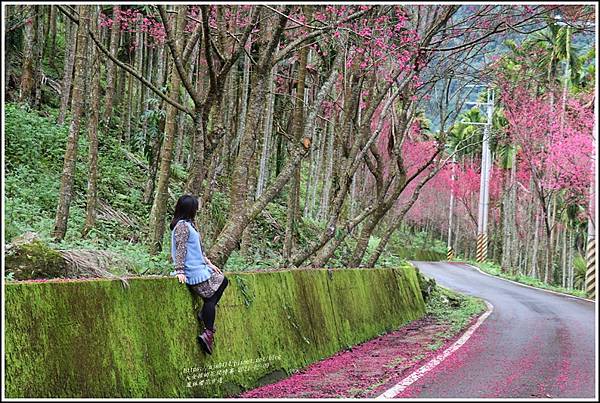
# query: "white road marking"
410 379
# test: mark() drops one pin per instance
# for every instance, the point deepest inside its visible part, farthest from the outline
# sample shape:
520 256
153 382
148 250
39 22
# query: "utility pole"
590 274
486 165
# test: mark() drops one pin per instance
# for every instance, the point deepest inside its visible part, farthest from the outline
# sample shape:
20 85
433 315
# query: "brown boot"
206 340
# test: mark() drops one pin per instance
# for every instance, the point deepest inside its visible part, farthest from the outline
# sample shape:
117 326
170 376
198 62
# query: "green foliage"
32 141
34 158
496 270
215 213
34 155
416 246
580 269
35 148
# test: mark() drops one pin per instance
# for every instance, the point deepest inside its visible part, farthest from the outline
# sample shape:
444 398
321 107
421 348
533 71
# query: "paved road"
534 344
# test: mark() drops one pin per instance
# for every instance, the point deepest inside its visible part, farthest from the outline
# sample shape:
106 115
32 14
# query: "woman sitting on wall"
194 268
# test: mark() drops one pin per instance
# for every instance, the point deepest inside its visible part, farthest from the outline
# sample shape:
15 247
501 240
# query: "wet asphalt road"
535 344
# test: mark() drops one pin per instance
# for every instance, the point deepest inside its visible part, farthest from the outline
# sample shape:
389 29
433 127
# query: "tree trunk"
534 258
263 174
128 112
90 216
120 81
241 127
145 104
325 194
316 174
38 53
159 206
197 172
111 66
570 261
363 239
52 34
155 141
512 211
181 126
231 117
138 100
66 184
252 177
564 258
27 74
293 204
505 214
239 181
550 235
239 219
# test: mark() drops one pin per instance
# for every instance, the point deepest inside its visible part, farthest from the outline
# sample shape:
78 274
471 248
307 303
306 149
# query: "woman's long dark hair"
185 209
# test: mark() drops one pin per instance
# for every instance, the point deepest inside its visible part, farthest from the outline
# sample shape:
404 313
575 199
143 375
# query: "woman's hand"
215 268
212 266
181 278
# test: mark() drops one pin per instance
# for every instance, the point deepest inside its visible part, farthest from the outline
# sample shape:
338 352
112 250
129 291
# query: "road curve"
534 344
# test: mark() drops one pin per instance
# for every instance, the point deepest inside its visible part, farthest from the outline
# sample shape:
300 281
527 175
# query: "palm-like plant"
579 266
464 136
584 77
557 41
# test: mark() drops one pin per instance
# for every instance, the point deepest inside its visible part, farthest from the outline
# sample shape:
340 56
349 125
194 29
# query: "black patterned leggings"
209 309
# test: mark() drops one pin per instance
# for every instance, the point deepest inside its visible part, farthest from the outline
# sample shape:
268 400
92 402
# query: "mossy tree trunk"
67 178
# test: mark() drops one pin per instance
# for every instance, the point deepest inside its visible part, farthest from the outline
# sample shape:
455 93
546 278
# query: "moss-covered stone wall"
100 338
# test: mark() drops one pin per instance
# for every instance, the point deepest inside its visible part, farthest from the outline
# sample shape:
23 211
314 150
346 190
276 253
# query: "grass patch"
452 308
495 270
374 386
395 362
436 345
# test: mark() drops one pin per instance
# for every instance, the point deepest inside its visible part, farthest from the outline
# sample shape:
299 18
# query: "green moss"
99 339
35 260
